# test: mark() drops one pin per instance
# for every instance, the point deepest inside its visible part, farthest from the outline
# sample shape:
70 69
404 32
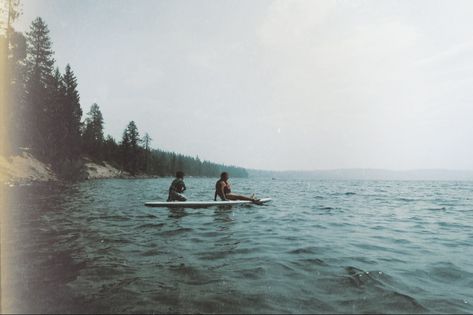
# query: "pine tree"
111 150
172 163
147 142
72 114
40 59
131 148
57 130
39 64
93 132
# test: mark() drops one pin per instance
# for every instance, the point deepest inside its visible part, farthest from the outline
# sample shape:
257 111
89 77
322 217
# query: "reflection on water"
320 246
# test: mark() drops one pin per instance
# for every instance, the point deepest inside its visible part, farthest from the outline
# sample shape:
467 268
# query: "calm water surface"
320 246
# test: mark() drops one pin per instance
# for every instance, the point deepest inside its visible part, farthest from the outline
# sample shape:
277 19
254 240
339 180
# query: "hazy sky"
278 84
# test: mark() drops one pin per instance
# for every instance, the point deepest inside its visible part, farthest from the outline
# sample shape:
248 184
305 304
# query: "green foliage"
70 169
71 115
135 156
40 60
40 89
93 139
46 115
131 150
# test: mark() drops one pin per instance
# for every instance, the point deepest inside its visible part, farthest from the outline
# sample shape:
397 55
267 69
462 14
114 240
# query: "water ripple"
319 247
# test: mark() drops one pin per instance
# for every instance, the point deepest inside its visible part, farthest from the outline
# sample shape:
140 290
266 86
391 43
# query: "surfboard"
200 204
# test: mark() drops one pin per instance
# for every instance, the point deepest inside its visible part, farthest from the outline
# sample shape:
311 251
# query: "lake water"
320 246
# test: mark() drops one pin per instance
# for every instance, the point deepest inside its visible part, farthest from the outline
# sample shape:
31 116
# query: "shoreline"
25 169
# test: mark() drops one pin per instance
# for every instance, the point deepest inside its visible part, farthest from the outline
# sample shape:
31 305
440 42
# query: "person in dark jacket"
177 188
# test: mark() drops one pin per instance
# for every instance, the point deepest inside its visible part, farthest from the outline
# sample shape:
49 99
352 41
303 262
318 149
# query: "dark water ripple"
320 247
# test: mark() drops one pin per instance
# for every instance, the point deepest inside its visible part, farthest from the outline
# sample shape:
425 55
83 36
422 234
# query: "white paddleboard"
200 204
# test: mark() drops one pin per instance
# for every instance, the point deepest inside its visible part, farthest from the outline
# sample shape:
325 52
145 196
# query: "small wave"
348 193
151 225
117 286
176 232
402 303
359 278
404 199
191 275
437 209
151 252
111 217
252 273
146 216
448 272
304 250
313 261
214 255
116 241
383 289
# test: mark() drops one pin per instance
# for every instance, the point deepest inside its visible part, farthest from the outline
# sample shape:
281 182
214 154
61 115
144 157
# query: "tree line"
44 115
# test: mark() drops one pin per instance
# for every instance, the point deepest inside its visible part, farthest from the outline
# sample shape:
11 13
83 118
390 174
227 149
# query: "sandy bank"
24 168
104 170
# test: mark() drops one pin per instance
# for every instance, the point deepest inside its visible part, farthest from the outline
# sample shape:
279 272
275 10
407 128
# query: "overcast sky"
277 84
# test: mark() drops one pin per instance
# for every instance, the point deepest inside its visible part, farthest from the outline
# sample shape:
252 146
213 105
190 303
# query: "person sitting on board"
223 190
177 188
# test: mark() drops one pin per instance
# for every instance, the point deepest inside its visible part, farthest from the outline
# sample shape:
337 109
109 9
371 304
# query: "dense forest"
44 115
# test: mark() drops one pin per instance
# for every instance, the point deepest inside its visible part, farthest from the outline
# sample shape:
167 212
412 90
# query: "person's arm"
183 187
221 191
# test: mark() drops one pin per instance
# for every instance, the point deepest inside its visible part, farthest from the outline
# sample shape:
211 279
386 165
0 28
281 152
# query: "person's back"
177 188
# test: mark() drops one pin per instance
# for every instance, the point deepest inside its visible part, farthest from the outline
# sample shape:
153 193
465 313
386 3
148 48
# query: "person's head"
180 174
224 176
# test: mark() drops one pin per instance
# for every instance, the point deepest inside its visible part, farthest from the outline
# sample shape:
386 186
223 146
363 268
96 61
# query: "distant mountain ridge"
367 174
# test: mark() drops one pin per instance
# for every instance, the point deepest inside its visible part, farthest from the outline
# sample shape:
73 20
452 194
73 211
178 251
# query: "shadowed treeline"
44 115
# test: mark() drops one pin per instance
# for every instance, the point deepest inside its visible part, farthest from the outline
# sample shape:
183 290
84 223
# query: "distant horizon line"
360 169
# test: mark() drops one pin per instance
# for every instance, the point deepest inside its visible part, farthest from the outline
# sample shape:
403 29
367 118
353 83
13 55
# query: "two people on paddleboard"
222 189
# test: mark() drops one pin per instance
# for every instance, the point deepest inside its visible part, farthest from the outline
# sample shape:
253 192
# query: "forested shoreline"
44 116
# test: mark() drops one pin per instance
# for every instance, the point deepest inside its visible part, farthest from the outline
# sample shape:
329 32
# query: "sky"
279 85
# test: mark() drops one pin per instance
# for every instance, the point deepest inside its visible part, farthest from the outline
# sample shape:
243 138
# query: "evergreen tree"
40 59
39 64
93 132
71 114
131 148
173 163
56 131
111 150
44 110
147 142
